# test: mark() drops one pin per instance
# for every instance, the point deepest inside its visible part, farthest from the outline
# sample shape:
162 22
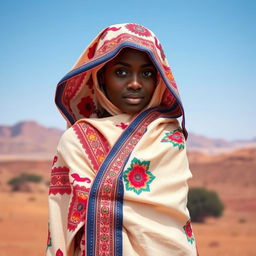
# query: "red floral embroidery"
108 45
77 207
122 125
175 137
138 29
60 181
189 233
95 145
160 48
59 253
104 33
137 177
86 106
71 87
91 51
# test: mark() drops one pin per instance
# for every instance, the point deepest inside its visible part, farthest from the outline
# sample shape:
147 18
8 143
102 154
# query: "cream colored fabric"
153 220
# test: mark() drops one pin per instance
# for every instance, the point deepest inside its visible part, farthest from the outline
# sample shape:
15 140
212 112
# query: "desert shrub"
31 199
214 244
242 220
33 178
203 203
20 182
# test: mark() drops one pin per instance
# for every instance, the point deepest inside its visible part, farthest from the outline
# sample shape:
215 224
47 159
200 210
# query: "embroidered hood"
78 94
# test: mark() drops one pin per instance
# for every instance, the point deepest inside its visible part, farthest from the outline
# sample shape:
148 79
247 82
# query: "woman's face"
130 80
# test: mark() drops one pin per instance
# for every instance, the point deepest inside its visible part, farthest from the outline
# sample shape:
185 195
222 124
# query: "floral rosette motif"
86 106
189 233
92 136
175 137
137 177
138 29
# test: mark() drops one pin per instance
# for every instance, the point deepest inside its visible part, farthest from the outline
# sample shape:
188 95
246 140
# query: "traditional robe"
119 183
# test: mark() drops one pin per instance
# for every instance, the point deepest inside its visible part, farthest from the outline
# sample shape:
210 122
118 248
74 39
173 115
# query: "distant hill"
216 146
29 139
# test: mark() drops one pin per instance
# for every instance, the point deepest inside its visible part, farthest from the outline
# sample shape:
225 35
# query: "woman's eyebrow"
129 65
148 65
122 63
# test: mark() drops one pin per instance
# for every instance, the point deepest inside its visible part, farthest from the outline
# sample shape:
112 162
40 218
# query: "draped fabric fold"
119 183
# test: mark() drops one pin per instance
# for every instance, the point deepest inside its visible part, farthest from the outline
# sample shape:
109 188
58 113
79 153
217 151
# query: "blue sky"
210 45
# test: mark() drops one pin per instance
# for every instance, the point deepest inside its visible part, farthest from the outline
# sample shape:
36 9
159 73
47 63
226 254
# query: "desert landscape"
23 215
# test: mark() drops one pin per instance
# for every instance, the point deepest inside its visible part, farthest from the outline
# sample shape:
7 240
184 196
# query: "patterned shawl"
119 183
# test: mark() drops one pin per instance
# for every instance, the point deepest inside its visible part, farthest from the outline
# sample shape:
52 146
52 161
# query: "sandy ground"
23 220
231 235
23 216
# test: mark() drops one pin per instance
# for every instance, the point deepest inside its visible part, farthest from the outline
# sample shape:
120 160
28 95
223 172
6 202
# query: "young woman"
119 178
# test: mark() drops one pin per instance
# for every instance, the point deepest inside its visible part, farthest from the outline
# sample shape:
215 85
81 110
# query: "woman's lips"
133 99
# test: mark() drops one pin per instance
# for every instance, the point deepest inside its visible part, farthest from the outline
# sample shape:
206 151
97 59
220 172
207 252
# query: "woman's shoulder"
67 137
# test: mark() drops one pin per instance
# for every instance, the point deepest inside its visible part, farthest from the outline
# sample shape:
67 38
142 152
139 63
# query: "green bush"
33 178
203 203
21 181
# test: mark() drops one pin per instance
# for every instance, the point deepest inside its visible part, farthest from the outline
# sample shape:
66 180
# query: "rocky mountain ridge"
30 139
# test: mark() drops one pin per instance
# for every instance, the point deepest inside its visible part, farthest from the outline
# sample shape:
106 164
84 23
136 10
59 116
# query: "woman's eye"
148 73
121 72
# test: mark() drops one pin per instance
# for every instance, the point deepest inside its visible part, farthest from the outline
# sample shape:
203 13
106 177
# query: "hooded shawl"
119 183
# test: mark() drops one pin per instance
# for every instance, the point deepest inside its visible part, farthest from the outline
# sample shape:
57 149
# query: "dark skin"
129 80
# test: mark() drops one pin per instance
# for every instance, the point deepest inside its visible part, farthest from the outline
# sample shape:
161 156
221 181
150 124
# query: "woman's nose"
134 83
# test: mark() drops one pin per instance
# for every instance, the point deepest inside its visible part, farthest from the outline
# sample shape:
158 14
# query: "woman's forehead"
131 56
